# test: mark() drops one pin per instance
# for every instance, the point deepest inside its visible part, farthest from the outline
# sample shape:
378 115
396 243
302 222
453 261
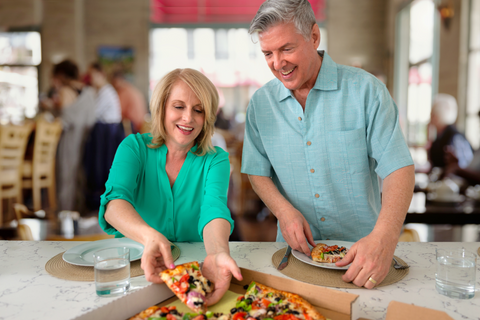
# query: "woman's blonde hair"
205 92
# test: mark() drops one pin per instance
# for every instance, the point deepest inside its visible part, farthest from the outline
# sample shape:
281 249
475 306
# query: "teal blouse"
180 213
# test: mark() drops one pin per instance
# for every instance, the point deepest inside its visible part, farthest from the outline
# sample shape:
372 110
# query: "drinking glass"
112 271
455 276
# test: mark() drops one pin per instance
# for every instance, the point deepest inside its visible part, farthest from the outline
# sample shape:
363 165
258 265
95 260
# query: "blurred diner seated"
470 173
443 117
103 139
74 103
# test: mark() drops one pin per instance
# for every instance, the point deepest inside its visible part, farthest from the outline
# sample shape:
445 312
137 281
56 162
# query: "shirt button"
323 219
299 118
317 195
312 170
309 143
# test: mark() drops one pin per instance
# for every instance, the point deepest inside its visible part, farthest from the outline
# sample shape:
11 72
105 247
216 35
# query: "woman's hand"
219 269
157 256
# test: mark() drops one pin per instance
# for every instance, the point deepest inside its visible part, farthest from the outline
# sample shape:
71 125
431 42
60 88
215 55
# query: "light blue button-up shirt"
325 161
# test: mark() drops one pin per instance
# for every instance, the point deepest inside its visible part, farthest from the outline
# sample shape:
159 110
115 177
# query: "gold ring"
372 280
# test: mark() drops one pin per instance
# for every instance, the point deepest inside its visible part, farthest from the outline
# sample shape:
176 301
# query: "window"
473 84
416 69
20 55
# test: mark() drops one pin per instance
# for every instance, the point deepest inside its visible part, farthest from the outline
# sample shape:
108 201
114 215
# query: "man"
316 138
443 117
132 102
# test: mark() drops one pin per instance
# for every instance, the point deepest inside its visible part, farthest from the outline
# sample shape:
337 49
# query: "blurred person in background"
75 105
132 102
443 117
107 109
103 140
316 139
171 184
470 173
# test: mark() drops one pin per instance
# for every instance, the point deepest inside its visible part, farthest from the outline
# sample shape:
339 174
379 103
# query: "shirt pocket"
347 151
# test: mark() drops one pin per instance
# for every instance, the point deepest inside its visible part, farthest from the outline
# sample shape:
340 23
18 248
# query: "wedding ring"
372 280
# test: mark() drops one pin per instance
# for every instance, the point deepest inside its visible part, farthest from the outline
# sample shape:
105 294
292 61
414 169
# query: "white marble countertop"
27 291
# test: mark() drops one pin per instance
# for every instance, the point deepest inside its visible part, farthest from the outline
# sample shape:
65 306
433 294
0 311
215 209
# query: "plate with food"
325 254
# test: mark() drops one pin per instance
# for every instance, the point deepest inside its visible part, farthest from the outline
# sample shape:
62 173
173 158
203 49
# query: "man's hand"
295 229
157 256
219 269
371 257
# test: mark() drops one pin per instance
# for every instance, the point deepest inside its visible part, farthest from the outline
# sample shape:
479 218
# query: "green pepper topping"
321 255
192 286
195 267
251 286
209 314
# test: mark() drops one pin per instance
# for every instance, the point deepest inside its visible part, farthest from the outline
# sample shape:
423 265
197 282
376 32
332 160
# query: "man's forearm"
396 197
268 192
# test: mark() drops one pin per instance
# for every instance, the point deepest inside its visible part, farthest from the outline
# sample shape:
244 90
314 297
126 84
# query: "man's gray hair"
273 12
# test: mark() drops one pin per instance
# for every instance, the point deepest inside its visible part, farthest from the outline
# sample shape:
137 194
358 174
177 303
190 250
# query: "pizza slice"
262 302
328 254
189 285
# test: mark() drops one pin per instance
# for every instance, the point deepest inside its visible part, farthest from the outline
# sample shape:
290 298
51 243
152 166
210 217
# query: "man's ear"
315 35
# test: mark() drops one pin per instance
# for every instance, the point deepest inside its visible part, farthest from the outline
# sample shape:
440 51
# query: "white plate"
304 258
82 255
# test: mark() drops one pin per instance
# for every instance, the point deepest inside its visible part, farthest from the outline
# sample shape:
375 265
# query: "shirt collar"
326 79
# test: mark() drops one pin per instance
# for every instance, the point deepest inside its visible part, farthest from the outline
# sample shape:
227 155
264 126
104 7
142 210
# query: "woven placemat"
57 267
299 270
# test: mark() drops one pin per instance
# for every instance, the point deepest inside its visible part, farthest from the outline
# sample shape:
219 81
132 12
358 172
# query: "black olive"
216 315
272 309
190 279
277 299
257 318
295 312
233 310
198 303
209 283
245 287
174 311
162 314
248 301
240 309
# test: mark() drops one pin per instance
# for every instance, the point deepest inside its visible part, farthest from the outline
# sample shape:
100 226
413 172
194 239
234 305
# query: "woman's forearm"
215 236
123 217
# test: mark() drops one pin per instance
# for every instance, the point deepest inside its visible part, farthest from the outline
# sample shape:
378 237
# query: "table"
27 291
460 214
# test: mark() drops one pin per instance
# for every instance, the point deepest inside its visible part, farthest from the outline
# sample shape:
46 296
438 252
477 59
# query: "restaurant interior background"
417 48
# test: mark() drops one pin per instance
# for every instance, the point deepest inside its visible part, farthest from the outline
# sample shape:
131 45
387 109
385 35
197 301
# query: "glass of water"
112 271
455 276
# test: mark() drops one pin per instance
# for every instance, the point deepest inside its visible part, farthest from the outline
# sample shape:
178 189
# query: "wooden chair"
13 142
409 235
39 172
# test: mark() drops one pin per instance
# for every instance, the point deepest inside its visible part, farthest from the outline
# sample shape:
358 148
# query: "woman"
74 103
172 184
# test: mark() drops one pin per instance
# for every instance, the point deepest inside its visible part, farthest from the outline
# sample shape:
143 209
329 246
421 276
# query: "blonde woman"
171 184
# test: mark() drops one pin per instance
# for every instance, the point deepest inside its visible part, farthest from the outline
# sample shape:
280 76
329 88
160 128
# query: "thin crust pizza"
328 254
262 302
189 285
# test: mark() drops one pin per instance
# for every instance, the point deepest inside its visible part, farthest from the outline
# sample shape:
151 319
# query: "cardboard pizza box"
331 303
400 311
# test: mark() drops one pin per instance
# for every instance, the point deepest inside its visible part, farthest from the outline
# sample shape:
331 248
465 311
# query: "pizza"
262 302
189 285
329 254
258 303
